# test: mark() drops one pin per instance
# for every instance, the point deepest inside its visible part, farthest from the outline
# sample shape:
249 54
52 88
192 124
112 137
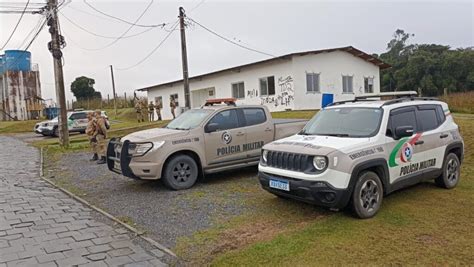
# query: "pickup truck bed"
287 127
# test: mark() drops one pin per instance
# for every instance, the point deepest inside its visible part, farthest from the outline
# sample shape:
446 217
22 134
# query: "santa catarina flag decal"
406 146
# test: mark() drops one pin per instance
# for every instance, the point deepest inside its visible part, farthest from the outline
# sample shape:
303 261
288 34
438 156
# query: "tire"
367 195
56 132
181 172
451 172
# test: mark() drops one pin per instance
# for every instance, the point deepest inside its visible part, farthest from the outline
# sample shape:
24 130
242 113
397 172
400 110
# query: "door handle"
443 136
239 134
420 142
268 130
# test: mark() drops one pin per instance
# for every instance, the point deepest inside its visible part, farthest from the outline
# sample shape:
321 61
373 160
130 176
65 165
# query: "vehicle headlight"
320 163
264 156
140 149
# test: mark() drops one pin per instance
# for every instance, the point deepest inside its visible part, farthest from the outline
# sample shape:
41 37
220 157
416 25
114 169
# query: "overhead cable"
16 26
229 40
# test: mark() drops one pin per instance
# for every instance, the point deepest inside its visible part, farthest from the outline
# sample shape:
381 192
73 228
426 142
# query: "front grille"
289 161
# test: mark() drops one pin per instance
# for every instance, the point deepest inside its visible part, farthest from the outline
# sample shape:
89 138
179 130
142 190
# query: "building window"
347 84
175 97
368 84
267 86
238 90
312 82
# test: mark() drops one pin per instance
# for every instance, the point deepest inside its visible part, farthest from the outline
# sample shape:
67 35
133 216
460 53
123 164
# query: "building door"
200 96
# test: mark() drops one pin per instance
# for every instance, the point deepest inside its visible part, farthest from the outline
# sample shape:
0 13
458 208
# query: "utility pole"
113 88
184 56
57 41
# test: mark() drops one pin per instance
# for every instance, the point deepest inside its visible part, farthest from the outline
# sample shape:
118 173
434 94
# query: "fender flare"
455 145
384 174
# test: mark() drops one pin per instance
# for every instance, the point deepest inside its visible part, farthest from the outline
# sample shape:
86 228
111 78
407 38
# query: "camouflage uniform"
151 111
144 110
173 107
158 109
138 109
90 129
101 134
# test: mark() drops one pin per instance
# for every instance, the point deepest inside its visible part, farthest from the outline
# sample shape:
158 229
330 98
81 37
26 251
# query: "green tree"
83 88
429 67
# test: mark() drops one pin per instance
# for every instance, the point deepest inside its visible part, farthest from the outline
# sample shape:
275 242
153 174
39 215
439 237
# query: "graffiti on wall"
284 94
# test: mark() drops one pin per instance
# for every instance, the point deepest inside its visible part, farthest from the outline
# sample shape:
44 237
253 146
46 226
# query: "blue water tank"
1 64
326 100
17 60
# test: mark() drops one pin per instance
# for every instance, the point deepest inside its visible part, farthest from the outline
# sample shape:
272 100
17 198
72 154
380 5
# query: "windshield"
345 122
189 119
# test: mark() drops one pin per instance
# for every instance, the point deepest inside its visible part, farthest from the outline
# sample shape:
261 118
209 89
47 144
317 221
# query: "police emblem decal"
407 152
226 138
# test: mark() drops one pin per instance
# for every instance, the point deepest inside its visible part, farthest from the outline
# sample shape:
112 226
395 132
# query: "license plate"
280 184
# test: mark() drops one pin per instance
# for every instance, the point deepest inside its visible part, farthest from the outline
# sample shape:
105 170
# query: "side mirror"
403 131
212 127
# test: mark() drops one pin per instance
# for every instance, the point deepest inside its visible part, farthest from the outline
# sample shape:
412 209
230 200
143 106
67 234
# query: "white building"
295 81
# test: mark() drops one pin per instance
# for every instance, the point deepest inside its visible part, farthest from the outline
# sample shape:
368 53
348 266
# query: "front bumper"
314 192
119 161
44 131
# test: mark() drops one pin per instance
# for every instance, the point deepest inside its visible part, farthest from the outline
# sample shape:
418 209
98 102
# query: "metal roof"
349 49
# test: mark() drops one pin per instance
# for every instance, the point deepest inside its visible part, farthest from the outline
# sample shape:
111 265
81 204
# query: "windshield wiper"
303 133
335 134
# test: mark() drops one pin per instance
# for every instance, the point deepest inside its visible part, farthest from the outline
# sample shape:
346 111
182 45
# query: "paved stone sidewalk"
41 226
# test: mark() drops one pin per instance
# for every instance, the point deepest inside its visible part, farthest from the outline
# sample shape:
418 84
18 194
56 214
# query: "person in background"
173 106
90 129
144 110
158 109
100 134
138 110
151 111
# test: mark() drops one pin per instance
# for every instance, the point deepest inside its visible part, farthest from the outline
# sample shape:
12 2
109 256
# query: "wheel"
56 132
181 172
367 195
451 172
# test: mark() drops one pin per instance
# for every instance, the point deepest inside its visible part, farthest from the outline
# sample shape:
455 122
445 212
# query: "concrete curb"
106 214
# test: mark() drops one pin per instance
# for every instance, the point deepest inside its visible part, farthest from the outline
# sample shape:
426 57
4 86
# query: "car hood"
312 144
152 135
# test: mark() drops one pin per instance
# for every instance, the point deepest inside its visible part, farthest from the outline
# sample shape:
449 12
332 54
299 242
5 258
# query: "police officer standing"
90 129
100 134
172 106
138 110
158 108
151 111
144 110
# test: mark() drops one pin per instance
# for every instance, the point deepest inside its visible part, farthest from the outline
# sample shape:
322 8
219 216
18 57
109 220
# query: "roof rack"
369 97
228 101
403 99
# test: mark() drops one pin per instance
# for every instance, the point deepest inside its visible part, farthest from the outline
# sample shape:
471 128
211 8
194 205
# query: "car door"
223 143
403 151
433 145
78 121
259 130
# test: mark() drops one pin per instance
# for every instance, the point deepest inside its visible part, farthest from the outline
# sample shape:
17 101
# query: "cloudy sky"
274 27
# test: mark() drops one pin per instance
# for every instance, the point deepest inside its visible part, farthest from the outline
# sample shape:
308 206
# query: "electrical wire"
229 40
197 6
99 35
125 32
120 19
152 51
37 26
16 26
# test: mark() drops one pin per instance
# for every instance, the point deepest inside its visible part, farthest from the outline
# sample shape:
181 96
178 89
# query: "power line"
16 26
154 49
99 35
129 28
196 6
229 40
37 26
120 19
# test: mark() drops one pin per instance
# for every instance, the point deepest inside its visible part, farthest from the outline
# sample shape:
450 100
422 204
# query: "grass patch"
422 225
7 127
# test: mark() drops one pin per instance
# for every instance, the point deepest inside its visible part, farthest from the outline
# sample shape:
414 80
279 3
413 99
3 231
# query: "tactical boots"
94 158
102 160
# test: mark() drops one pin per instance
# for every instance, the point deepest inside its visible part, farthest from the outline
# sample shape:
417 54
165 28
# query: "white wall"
331 67
290 82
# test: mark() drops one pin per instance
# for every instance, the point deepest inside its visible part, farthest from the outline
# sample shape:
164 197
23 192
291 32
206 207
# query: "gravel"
164 214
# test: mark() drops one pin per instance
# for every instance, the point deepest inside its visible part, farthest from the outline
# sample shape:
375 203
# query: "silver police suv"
356 152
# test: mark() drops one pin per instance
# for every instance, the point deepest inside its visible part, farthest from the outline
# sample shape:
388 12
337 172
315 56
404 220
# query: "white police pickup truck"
356 152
